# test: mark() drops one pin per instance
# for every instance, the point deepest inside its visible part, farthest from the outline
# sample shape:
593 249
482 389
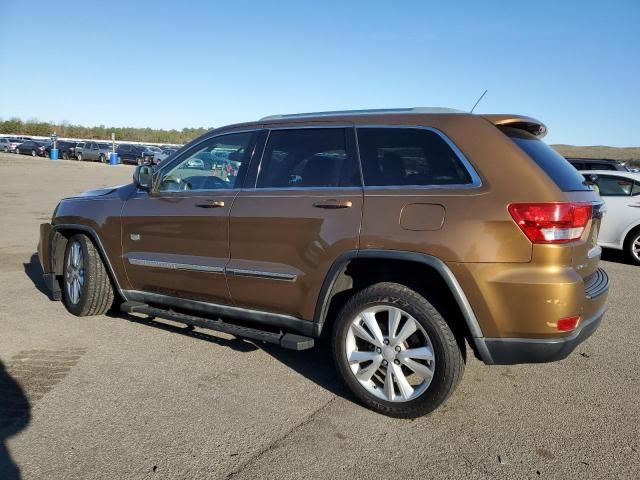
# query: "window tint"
614 186
636 188
215 164
308 157
567 178
408 156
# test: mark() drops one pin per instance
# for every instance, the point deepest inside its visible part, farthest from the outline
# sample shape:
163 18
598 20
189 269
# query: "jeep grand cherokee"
402 235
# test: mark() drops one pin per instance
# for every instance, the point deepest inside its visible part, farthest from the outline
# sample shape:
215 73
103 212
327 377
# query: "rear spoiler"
528 124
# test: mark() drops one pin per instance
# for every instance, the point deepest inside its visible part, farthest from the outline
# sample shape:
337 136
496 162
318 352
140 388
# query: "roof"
531 125
374 111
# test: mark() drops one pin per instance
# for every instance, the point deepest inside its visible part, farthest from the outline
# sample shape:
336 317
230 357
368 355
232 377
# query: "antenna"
476 104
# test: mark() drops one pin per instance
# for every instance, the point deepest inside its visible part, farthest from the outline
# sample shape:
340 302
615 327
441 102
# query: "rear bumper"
509 351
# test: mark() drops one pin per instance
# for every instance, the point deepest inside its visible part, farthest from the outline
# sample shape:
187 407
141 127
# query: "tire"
86 286
65 156
6 149
102 159
633 246
33 153
439 354
79 157
140 162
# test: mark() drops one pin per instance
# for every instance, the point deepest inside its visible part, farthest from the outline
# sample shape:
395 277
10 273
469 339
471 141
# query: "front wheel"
79 157
33 153
65 156
633 247
395 352
87 287
102 159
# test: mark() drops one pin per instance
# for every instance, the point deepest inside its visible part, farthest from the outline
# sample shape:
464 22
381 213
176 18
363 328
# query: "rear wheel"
633 247
102 158
65 156
395 352
87 288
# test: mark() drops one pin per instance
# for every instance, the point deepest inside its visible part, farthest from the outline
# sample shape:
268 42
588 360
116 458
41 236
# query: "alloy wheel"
390 353
74 273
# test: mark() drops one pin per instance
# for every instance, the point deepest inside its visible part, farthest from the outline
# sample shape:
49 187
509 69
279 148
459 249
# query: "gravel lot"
107 397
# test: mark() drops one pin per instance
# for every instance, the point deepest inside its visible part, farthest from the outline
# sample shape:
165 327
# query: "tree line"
16 126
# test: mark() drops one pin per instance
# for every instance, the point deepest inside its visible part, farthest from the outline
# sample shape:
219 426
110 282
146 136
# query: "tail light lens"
551 222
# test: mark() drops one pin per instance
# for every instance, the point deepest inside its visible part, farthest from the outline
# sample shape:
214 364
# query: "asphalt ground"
112 397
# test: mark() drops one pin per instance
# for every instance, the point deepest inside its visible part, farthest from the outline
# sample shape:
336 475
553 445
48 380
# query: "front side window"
409 156
215 164
614 186
308 158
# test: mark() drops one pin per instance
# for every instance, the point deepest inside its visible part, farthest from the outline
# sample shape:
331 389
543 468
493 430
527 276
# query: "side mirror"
142 177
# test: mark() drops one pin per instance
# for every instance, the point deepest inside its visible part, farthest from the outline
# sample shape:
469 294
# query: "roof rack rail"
373 111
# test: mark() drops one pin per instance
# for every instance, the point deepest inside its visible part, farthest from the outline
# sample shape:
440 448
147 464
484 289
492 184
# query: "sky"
575 65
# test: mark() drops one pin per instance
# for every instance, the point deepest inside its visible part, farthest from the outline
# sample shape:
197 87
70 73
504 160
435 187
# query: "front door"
176 238
300 214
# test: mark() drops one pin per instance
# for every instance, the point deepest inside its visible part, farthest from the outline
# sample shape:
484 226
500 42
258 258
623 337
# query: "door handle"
333 204
211 204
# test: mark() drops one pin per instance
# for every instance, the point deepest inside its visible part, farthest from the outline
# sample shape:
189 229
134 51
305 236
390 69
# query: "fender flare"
340 264
96 240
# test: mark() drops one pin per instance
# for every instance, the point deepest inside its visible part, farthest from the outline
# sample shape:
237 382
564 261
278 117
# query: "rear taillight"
551 222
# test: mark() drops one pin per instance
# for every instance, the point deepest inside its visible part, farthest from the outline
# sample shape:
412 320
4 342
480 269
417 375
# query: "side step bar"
290 341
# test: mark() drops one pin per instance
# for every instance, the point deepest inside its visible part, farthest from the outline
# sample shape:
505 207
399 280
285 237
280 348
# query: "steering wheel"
175 184
215 182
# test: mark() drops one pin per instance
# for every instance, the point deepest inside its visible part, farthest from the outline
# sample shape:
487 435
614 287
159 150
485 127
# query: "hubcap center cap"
389 353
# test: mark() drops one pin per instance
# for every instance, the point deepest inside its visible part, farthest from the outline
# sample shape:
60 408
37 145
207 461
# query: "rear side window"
409 156
308 157
565 176
615 186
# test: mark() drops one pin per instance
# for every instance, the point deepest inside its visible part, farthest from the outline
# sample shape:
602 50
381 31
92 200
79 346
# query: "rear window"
408 156
565 176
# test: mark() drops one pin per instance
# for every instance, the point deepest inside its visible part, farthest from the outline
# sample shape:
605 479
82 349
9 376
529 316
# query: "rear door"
176 240
300 212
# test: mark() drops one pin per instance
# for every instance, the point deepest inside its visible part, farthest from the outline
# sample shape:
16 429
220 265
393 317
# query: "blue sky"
573 64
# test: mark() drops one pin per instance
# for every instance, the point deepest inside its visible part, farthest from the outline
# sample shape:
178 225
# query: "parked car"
597 164
136 154
371 227
620 228
5 144
94 151
10 145
66 149
159 157
34 148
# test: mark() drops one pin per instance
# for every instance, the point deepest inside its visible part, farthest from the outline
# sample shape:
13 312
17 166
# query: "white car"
620 227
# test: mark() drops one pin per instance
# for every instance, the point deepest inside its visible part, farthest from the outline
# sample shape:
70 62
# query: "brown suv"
402 234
